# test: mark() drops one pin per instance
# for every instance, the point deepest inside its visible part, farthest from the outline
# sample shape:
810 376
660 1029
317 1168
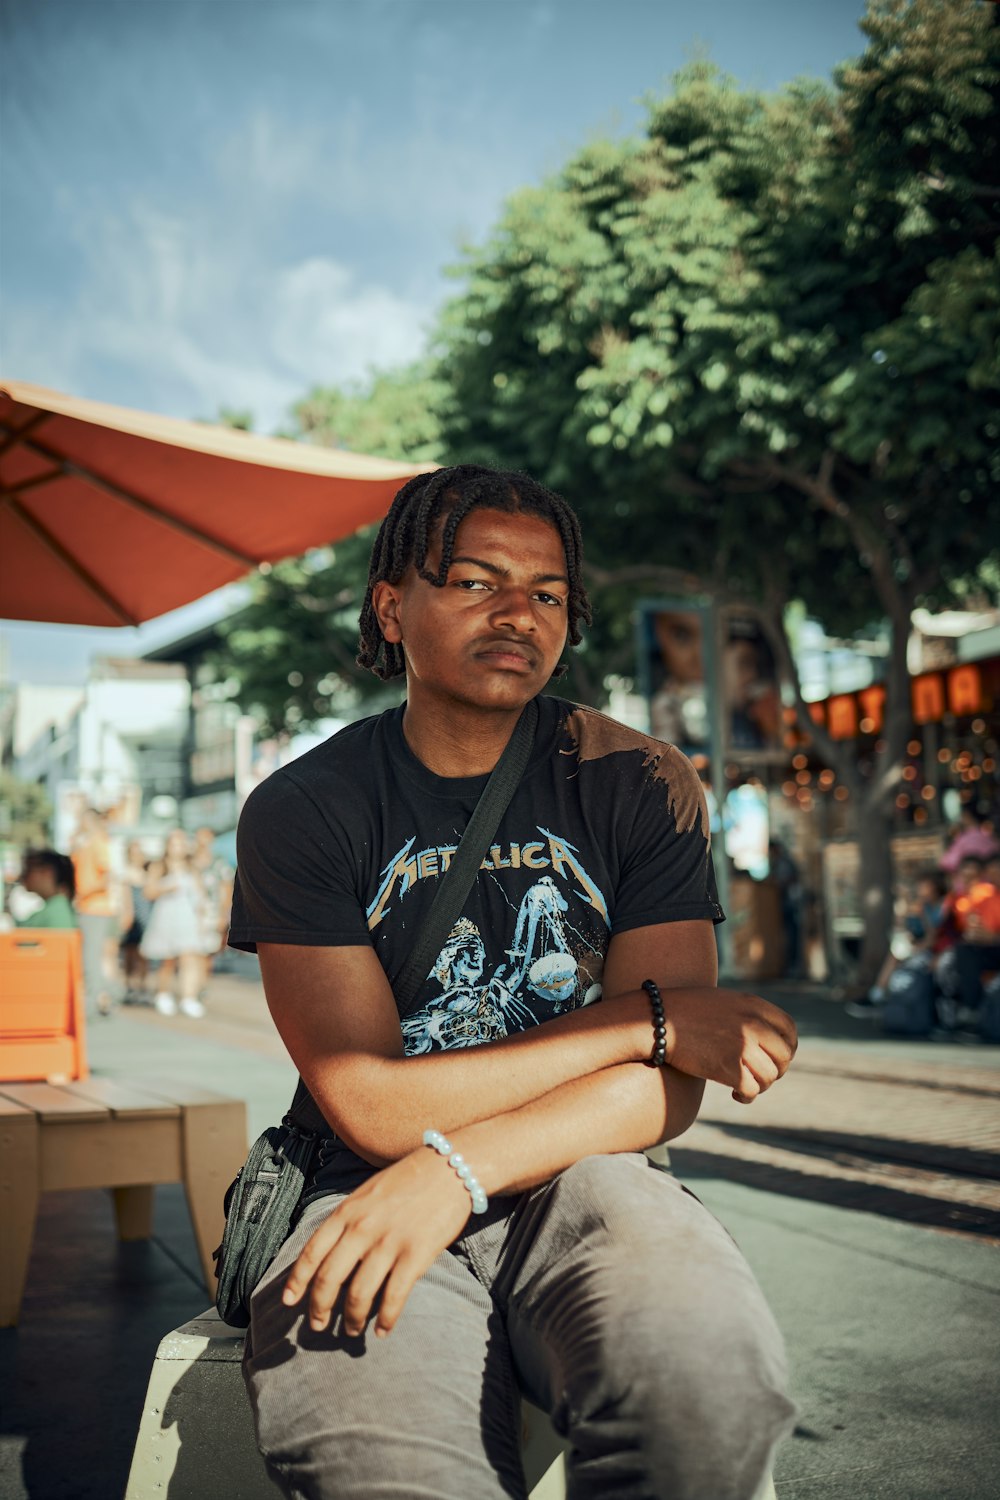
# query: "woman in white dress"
173 936
216 876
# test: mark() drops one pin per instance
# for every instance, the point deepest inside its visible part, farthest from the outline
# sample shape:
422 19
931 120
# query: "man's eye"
552 599
471 583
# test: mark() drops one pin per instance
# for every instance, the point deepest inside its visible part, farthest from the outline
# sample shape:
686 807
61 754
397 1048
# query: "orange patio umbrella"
110 516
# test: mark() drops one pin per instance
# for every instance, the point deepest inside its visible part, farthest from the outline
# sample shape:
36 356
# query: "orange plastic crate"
37 1058
41 1005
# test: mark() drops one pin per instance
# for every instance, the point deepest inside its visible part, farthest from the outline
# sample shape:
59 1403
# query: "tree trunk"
884 553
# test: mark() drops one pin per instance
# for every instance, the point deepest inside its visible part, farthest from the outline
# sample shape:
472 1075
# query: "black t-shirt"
607 831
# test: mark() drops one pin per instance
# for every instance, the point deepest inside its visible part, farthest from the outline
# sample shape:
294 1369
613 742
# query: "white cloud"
325 320
185 316
246 282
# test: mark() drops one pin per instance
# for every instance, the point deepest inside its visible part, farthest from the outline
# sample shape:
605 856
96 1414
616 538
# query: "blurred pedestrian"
785 873
953 907
917 936
974 838
173 935
97 907
136 909
216 876
978 950
49 875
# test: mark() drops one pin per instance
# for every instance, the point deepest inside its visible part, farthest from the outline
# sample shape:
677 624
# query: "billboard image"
677 639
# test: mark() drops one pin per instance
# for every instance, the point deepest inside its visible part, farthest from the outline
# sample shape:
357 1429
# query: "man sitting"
484 1220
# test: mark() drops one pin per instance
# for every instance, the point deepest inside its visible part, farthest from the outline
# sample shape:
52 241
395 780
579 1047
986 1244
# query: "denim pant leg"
94 934
635 1321
430 1413
972 960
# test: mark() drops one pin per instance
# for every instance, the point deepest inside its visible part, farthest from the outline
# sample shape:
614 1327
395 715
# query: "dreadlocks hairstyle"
406 533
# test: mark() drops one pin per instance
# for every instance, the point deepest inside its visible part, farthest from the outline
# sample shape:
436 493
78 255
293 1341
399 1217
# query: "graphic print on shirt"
550 964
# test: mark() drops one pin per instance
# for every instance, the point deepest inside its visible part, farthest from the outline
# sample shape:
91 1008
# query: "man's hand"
385 1235
733 1038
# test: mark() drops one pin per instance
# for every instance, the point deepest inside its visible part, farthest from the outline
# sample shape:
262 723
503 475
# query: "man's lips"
510 655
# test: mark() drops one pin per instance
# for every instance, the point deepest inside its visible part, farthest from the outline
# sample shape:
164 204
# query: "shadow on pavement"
954 1161
913 1208
74 1373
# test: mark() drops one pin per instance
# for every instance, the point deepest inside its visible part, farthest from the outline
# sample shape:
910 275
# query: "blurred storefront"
788 827
951 759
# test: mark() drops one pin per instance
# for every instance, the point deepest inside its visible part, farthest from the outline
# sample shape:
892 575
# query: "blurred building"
226 754
29 713
118 744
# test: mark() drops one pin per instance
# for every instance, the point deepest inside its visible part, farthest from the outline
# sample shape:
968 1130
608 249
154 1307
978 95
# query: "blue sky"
209 203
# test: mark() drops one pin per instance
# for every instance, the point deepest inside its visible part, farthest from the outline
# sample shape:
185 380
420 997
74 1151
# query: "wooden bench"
196 1435
103 1133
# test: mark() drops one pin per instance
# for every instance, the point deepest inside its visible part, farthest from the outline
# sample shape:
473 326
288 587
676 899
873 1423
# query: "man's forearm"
380 1105
623 1108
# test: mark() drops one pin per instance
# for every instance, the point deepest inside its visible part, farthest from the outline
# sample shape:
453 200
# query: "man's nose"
513 606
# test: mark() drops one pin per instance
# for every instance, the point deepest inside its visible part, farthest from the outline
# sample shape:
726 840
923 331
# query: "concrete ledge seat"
117 1134
196 1434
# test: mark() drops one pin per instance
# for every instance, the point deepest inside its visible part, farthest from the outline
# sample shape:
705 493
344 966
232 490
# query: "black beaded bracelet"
658 1059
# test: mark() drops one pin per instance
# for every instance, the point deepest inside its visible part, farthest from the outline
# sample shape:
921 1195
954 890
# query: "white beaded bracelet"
442 1146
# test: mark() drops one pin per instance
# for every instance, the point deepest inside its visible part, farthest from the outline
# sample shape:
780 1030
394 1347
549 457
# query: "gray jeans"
609 1296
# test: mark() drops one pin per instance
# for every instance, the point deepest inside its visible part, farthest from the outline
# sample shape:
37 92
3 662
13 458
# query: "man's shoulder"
352 754
603 747
594 736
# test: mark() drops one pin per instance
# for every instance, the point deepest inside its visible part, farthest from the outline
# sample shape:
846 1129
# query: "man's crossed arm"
519 1110
335 1012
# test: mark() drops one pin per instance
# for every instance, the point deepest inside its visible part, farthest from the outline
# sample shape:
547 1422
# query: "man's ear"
386 599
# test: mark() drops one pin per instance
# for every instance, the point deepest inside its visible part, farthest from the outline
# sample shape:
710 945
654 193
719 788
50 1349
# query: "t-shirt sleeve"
667 873
295 877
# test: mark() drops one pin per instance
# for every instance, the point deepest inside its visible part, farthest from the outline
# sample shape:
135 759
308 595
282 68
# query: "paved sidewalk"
909 1130
863 1190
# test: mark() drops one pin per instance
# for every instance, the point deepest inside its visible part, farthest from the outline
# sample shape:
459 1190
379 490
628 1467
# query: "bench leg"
134 1212
215 1147
19 1168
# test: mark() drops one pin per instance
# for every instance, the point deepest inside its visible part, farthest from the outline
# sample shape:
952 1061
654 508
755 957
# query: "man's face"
492 637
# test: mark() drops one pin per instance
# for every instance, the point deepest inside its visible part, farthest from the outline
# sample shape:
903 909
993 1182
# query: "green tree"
758 348
394 416
25 812
290 652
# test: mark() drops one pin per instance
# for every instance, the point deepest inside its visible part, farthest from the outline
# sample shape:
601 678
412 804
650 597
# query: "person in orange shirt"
96 907
978 952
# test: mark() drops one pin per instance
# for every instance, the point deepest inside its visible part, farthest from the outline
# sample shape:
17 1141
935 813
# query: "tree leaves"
737 342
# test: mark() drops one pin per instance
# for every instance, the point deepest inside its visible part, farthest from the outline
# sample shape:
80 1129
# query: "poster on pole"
687 652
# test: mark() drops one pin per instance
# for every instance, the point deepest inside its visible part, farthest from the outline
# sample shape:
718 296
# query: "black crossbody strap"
449 898
454 887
